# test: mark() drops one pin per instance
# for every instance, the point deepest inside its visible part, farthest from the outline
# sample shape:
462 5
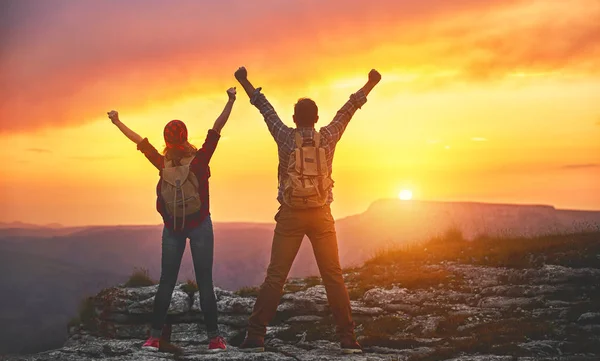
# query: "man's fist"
374 76
231 93
113 115
241 73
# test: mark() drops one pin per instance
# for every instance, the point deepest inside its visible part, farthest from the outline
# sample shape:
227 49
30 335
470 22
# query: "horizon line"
57 225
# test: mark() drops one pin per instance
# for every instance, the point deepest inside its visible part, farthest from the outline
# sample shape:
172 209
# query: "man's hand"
113 115
374 76
241 74
231 93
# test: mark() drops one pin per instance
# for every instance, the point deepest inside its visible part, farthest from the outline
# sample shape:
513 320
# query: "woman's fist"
113 115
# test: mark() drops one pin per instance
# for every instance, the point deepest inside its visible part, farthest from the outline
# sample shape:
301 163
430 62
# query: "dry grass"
140 278
190 286
86 314
575 250
407 275
407 266
248 291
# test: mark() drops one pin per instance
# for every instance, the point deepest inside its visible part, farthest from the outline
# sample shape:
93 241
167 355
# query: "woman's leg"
173 246
202 247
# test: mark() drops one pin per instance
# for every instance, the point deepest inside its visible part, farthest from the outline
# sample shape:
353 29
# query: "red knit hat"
175 134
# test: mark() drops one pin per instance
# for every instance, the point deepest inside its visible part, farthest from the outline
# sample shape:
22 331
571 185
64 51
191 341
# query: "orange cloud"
66 63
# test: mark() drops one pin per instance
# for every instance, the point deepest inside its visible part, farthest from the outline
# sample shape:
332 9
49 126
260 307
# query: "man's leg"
173 246
289 231
324 241
202 247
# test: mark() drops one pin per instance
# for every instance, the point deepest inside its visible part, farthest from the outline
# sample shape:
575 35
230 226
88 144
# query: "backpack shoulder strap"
299 139
317 139
188 160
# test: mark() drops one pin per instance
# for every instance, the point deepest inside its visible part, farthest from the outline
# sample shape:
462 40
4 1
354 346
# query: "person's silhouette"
304 192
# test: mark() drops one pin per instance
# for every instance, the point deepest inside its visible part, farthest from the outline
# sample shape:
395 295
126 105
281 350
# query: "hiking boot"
252 345
350 346
217 344
166 346
152 344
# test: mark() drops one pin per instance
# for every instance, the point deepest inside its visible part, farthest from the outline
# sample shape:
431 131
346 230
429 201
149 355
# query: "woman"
182 201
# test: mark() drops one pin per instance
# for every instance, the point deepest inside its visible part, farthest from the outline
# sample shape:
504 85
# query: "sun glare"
405 194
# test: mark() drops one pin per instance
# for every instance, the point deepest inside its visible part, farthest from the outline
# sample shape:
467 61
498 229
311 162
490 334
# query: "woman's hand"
113 115
133 136
231 92
222 119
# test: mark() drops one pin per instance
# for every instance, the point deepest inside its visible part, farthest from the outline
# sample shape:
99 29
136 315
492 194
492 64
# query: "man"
305 160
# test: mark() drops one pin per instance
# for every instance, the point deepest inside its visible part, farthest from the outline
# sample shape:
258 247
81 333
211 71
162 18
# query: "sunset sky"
492 101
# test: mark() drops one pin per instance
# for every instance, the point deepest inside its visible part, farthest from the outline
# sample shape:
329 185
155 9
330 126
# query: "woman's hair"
176 154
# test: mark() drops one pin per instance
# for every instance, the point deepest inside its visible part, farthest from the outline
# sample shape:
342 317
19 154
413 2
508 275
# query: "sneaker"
350 346
217 344
252 345
152 344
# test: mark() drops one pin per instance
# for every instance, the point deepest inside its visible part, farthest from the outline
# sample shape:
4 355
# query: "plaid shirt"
199 166
285 139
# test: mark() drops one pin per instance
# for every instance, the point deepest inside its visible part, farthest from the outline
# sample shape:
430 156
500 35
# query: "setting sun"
405 194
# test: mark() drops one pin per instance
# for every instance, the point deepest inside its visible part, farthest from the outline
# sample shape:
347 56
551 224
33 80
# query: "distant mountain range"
46 270
28 225
391 222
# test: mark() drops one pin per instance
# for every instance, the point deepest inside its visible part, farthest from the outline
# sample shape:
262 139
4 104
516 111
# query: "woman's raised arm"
133 136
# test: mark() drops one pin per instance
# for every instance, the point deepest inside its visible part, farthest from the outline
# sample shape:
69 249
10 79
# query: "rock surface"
470 312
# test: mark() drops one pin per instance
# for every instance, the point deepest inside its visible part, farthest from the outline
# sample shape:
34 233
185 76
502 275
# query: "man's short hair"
306 112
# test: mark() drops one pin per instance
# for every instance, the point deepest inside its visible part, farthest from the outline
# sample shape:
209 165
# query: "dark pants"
292 225
173 245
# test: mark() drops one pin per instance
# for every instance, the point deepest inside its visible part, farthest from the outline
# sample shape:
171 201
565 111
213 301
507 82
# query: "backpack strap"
299 139
188 160
317 139
301 149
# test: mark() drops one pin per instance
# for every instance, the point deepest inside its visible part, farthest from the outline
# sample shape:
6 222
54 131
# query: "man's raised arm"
374 79
278 129
242 76
336 128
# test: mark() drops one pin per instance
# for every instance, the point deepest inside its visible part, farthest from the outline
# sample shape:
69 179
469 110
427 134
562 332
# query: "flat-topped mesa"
403 220
391 204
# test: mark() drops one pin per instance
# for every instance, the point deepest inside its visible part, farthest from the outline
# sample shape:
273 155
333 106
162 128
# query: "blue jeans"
173 246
